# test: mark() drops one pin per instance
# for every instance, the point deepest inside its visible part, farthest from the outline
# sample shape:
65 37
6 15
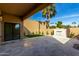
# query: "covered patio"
12 29
12 16
39 46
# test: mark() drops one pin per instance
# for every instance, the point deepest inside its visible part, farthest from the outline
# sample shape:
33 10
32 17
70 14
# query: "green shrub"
30 36
32 33
71 35
47 33
52 33
42 33
36 32
39 33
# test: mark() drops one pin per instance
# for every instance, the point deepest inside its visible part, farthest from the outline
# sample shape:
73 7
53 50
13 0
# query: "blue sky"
65 12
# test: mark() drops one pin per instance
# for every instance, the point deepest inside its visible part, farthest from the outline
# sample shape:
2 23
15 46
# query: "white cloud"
67 16
67 20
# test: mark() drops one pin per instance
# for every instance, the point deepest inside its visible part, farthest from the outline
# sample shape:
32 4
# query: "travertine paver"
39 46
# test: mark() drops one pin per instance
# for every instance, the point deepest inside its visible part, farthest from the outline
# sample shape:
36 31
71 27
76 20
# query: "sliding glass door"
11 31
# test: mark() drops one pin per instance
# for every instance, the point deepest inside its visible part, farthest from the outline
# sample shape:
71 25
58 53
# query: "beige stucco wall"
1 28
75 31
14 19
31 26
9 19
45 30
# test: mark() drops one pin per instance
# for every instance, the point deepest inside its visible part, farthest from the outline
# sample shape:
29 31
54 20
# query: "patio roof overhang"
22 10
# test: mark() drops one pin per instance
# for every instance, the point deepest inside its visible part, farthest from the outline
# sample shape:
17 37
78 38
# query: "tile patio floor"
39 46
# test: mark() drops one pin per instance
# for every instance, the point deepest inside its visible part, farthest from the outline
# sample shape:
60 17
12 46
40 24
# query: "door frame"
12 30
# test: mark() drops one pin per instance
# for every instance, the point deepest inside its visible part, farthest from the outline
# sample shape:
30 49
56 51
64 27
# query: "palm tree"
49 12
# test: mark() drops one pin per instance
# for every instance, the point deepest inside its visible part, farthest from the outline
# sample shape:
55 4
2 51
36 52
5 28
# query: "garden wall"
74 31
31 26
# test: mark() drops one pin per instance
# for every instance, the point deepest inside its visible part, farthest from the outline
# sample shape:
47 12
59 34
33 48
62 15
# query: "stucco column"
21 30
1 30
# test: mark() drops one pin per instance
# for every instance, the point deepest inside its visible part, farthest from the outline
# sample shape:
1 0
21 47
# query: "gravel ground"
39 46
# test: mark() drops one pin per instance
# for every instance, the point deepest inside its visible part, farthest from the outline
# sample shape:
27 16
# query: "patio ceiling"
22 9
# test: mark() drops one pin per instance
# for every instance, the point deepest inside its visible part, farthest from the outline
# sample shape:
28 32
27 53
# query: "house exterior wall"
9 19
14 19
1 37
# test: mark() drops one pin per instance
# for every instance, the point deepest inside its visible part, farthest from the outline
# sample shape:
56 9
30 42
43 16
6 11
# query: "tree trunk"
39 28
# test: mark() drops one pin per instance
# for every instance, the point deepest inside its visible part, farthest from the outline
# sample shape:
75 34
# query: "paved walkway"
63 40
39 46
